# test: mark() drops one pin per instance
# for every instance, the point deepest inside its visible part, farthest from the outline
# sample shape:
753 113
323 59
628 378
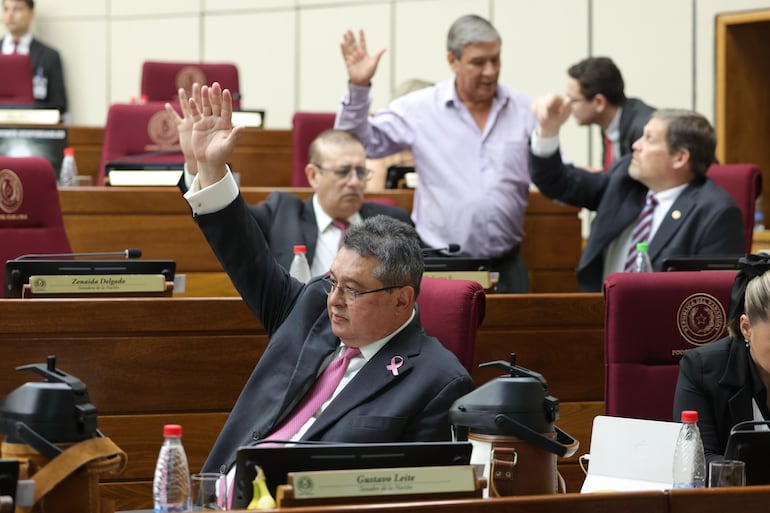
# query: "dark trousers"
514 276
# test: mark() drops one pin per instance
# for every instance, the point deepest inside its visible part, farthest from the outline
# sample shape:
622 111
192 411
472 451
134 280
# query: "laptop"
277 462
630 455
46 142
701 263
751 445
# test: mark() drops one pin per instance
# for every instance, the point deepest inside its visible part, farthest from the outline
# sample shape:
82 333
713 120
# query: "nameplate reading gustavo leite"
97 283
392 481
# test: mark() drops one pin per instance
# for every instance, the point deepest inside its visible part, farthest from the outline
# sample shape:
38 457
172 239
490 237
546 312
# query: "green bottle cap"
642 246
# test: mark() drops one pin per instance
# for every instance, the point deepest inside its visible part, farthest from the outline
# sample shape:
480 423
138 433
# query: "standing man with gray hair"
468 135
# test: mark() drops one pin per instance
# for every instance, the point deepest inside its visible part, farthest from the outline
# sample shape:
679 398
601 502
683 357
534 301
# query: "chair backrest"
16 84
452 311
139 133
161 80
306 126
744 183
30 213
650 320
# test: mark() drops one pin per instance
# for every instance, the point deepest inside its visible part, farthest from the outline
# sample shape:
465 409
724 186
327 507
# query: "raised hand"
184 124
213 135
551 111
361 66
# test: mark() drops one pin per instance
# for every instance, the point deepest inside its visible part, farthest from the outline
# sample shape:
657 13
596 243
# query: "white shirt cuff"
213 198
543 146
188 177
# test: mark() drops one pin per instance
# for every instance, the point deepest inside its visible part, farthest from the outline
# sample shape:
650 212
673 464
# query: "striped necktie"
641 232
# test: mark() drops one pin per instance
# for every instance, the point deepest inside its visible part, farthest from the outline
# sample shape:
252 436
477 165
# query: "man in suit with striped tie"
658 194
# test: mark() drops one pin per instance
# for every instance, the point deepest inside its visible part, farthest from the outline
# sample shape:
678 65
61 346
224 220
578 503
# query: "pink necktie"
607 153
641 231
343 225
323 388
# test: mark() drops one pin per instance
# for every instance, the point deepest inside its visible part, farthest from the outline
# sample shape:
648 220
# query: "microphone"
128 253
449 248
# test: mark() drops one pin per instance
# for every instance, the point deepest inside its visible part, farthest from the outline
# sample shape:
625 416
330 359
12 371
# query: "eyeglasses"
349 295
343 172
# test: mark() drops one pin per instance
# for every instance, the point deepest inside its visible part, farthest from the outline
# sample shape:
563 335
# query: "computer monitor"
277 462
753 447
701 263
17 272
46 142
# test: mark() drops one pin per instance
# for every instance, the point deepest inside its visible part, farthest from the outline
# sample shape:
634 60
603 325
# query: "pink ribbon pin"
395 363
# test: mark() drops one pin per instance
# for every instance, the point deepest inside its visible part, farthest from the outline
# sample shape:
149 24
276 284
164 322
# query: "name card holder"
327 487
487 279
97 285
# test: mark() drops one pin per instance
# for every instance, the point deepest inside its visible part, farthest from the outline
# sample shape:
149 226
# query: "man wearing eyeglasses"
399 383
336 171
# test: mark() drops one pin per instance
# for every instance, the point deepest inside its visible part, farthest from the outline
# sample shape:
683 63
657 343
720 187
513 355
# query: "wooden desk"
157 220
261 157
147 362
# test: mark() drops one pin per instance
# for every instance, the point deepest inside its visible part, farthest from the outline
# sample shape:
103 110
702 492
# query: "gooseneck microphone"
128 253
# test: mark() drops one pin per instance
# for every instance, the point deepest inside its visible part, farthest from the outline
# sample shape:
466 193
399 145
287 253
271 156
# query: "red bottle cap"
69 151
172 430
300 248
689 416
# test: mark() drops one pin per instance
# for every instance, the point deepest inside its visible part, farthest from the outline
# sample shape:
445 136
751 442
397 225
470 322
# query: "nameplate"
391 481
30 116
145 177
481 277
97 283
252 118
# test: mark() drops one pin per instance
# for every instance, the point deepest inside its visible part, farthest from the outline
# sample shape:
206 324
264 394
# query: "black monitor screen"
277 462
17 272
753 447
48 143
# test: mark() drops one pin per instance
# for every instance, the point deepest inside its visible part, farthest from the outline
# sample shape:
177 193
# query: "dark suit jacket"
375 407
718 381
46 60
634 115
286 220
709 220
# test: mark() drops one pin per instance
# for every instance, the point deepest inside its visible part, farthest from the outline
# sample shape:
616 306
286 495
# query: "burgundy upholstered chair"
30 214
452 311
306 126
650 320
744 183
16 84
162 80
139 133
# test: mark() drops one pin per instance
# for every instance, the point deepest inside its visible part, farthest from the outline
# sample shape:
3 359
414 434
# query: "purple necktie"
323 388
342 224
641 231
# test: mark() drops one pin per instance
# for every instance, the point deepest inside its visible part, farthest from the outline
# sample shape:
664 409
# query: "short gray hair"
395 244
332 137
469 29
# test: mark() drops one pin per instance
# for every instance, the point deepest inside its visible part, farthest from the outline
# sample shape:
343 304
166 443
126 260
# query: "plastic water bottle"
689 461
643 263
299 267
68 175
171 485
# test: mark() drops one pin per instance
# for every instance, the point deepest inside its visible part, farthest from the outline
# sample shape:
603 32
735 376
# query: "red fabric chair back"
139 133
16 84
744 183
30 214
452 311
162 80
306 127
650 320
